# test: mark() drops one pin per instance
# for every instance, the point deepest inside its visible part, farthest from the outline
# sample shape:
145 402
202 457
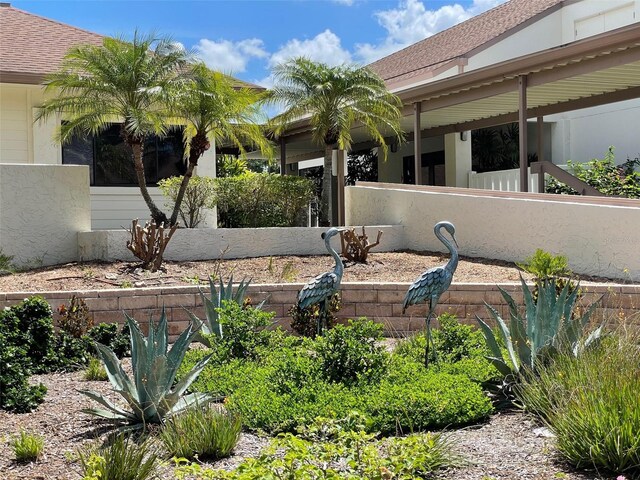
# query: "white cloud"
411 22
230 56
348 3
324 47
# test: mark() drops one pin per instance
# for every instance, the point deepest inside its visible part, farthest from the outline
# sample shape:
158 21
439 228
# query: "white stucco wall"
42 209
209 244
597 240
591 17
585 134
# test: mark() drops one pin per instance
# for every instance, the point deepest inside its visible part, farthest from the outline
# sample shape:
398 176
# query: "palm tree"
120 81
214 110
334 99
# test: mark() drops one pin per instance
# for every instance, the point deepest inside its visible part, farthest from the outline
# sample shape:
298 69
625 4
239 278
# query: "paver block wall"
379 301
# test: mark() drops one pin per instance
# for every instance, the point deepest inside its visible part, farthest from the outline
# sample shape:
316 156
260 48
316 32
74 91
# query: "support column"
522 121
283 156
417 142
540 138
457 159
340 167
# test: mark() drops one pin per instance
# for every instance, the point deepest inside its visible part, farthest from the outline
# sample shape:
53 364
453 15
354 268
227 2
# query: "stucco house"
31 47
568 71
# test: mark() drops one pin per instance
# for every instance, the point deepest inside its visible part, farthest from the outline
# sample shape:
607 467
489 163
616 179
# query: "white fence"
504 180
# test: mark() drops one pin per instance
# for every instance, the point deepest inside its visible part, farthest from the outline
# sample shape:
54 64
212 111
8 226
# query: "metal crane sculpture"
324 286
434 282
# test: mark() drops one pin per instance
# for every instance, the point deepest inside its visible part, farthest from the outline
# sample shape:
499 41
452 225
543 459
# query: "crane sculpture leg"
432 307
322 317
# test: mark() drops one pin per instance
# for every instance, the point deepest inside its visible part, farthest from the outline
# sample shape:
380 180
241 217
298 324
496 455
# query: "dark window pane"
111 163
79 151
113 159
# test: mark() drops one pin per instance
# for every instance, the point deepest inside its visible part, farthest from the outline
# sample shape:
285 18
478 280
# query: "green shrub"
107 334
198 196
348 354
591 405
29 326
16 394
27 447
120 459
350 455
202 432
611 179
245 331
6 265
262 200
95 371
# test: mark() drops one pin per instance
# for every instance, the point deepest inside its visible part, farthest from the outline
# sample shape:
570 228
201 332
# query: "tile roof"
428 55
32 46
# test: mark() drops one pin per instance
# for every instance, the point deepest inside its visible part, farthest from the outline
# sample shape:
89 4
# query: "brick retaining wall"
379 301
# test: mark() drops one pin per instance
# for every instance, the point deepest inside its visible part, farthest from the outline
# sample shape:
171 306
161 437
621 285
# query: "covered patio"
599 70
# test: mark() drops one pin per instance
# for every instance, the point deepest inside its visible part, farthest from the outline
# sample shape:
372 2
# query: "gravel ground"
386 266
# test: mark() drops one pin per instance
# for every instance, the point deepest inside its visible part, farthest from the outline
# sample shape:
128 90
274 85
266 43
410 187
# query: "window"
110 163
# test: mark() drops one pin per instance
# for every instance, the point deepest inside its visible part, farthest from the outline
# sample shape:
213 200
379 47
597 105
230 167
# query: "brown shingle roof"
32 46
427 55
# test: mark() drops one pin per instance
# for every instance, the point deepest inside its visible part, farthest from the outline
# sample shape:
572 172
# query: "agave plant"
151 394
549 325
212 325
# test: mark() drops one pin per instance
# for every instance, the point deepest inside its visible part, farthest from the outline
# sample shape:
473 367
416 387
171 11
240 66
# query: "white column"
457 159
207 168
45 149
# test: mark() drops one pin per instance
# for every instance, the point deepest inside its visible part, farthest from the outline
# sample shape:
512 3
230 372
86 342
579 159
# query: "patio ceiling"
595 71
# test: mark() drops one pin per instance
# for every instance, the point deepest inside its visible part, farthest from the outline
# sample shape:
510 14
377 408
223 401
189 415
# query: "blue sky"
246 37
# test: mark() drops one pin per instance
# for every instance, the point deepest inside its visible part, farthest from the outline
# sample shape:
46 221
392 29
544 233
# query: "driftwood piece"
149 242
355 248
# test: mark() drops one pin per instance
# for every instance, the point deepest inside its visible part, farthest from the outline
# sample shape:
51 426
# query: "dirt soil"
382 267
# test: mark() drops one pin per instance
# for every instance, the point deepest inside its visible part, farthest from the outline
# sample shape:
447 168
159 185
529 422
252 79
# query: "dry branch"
149 242
355 248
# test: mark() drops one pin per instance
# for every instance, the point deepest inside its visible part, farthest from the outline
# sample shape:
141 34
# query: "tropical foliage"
152 394
549 325
334 99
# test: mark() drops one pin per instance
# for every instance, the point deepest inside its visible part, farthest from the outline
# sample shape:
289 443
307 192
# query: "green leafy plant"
591 405
198 195
95 371
604 175
120 459
348 354
152 395
245 331
217 297
548 326
6 265
546 266
74 318
202 432
348 455
107 334
16 393
263 200
304 321
27 447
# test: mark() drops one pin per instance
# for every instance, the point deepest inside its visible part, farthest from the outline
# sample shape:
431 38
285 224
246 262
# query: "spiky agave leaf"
152 394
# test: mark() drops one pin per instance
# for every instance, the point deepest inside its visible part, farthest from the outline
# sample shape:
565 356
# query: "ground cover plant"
591 404
288 381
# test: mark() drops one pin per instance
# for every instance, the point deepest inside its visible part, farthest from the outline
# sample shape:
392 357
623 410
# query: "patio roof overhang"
598 70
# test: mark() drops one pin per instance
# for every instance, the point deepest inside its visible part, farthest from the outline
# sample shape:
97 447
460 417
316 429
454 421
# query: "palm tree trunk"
326 200
193 162
156 214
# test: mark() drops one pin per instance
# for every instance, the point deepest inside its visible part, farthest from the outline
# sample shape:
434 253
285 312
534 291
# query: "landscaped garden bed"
348 404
